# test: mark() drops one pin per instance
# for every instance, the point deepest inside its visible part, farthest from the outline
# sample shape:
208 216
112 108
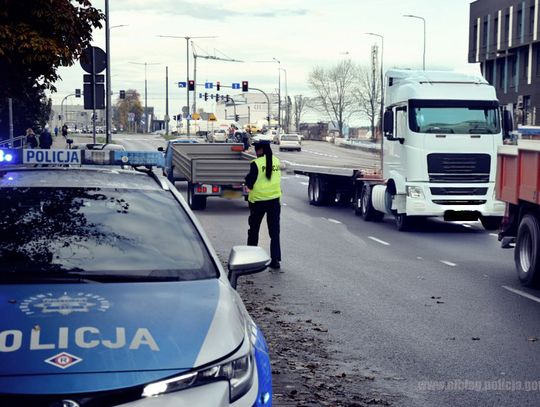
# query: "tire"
404 222
318 191
195 202
357 196
368 212
491 222
527 251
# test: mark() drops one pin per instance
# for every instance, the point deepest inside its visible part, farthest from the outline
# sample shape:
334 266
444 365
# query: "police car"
111 294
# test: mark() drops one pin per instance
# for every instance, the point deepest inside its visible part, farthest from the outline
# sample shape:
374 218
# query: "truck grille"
458 191
459 202
458 168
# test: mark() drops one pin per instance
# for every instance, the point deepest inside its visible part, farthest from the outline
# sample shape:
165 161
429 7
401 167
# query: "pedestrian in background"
55 131
45 138
264 184
31 139
65 130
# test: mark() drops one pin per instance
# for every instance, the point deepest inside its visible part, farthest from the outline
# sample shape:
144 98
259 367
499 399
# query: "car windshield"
138 233
459 117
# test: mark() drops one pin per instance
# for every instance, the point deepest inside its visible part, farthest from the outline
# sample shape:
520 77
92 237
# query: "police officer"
264 183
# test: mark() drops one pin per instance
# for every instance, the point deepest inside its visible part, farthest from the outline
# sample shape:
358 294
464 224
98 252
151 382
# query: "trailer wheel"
490 222
357 201
317 191
195 202
527 251
369 213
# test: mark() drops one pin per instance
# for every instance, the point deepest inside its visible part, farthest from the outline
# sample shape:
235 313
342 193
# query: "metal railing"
18 142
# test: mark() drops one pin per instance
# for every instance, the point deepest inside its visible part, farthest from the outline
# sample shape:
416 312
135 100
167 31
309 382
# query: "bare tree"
300 104
335 92
368 96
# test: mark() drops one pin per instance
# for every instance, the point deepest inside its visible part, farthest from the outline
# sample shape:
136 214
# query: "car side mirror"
244 260
507 122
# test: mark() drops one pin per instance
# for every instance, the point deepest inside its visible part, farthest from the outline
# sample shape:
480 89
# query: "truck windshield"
454 116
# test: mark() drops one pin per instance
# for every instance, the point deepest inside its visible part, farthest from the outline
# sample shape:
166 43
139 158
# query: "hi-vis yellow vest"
265 189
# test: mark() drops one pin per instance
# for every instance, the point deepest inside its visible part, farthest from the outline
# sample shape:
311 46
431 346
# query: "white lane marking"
284 204
448 263
333 220
494 234
379 241
283 177
419 258
304 183
523 294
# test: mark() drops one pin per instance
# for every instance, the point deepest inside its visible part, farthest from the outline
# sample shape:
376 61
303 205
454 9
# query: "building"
504 38
250 107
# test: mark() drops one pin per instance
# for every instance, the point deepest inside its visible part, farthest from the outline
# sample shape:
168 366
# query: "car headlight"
415 192
238 372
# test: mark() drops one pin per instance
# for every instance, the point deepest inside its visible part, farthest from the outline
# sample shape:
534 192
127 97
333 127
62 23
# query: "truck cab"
442 131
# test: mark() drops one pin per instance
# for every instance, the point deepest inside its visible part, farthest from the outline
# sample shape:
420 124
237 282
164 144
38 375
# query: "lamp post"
108 115
424 21
382 78
187 38
145 92
287 113
279 89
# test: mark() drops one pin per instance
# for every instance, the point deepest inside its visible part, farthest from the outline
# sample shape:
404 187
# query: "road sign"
188 117
195 116
179 117
208 85
131 117
235 86
99 62
99 78
182 84
212 117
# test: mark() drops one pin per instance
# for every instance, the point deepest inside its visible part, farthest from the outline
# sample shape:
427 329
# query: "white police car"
110 293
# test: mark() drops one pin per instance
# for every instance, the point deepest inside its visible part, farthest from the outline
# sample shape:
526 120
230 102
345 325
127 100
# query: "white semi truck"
438 154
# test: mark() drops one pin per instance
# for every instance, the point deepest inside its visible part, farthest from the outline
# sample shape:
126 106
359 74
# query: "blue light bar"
80 157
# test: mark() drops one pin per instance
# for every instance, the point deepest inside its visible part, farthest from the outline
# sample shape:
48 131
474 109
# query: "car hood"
115 332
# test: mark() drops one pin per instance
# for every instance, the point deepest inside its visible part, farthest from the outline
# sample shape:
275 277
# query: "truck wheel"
527 251
368 211
195 202
357 201
404 222
491 222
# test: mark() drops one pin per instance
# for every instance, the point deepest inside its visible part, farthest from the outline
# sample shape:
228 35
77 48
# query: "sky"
301 34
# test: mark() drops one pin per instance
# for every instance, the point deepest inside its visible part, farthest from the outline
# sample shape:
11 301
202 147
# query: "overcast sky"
301 34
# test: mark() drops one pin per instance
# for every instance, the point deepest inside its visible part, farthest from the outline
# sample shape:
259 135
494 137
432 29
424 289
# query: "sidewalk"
60 141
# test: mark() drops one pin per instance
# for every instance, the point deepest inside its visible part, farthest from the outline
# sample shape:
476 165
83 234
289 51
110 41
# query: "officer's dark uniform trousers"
272 209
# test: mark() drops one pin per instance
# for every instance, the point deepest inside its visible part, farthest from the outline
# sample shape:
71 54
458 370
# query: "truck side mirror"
388 124
507 122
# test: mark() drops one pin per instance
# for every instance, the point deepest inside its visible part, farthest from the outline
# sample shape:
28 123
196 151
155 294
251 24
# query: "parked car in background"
290 142
217 136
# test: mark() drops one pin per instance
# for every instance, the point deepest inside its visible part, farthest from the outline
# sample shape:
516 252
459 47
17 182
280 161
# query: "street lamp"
108 116
382 78
274 59
287 112
145 92
424 21
187 38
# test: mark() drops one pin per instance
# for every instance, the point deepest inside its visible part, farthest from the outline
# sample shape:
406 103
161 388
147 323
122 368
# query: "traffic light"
174 117
217 97
191 85
122 94
200 95
218 86
77 93
245 87
205 96
227 98
236 117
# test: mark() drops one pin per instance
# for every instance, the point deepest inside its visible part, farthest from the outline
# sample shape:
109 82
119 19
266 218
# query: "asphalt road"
436 315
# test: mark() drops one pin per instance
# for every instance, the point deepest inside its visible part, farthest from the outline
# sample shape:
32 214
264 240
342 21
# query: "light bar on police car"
80 157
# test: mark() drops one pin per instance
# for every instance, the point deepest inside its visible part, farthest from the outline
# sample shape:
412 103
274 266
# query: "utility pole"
195 56
145 92
167 100
187 38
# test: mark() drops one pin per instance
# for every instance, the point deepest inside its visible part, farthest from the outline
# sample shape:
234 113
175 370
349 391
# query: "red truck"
518 184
